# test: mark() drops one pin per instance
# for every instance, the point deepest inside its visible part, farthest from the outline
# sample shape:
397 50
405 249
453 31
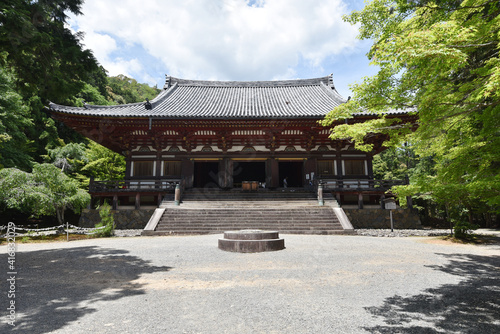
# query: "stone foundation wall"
380 218
124 219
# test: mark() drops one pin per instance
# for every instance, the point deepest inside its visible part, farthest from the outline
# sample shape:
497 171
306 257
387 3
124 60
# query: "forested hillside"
42 61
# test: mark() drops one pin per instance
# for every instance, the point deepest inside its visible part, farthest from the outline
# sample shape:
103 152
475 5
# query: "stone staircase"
209 211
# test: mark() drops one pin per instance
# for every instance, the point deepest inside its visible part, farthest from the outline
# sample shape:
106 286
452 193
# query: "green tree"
47 60
15 148
103 164
440 58
45 191
394 163
107 221
69 158
122 89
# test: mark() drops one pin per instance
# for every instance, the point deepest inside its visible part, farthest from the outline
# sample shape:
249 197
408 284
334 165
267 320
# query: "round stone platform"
251 241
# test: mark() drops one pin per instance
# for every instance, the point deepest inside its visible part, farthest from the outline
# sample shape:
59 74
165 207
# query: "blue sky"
225 39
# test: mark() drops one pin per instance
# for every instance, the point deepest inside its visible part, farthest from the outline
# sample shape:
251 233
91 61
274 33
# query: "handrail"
343 184
133 185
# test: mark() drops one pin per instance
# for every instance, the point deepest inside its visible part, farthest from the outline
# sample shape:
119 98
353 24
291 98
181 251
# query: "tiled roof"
228 99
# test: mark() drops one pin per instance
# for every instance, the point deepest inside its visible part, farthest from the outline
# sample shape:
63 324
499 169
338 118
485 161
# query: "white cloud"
217 39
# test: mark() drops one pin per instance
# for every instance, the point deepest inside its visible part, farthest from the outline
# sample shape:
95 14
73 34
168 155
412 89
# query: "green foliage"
107 221
394 163
442 59
82 161
47 57
41 60
70 157
48 63
15 148
45 191
122 89
91 95
103 164
463 230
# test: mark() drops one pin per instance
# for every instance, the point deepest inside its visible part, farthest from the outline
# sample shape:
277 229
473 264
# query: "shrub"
463 230
107 220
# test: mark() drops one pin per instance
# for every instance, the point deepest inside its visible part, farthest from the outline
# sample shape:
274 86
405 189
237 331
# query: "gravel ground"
365 232
318 284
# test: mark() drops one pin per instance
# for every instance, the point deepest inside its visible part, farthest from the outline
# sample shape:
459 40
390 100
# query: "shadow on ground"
56 287
472 306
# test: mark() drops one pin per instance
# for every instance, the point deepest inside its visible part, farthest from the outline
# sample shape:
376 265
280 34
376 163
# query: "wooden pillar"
158 165
222 175
360 201
338 159
160 198
115 202
382 197
272 171
138 201
90 205
310 166
128 165
369 162
225 173
187 172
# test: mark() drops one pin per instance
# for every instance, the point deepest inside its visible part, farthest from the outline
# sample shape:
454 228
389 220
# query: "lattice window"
143 168
144 149
354 167
290 149
326 167
171 168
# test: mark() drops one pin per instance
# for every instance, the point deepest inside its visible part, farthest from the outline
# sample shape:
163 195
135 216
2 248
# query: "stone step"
215 211
324 222
284 231
231 228
255 211
248 217
245 204
246 225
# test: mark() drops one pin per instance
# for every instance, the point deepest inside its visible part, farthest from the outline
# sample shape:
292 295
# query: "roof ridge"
269 83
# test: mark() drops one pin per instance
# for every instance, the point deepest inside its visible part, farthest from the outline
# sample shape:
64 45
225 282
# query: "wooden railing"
133 185
347 184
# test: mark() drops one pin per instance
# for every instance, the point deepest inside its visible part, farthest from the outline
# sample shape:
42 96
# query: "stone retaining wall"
124 219
380 218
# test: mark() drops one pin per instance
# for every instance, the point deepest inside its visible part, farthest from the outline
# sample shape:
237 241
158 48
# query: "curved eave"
180 118
191 99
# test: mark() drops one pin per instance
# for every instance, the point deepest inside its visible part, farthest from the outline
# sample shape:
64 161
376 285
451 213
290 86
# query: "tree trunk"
60 214
448 217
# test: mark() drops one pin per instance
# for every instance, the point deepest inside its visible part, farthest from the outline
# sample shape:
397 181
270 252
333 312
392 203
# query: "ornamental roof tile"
306 98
